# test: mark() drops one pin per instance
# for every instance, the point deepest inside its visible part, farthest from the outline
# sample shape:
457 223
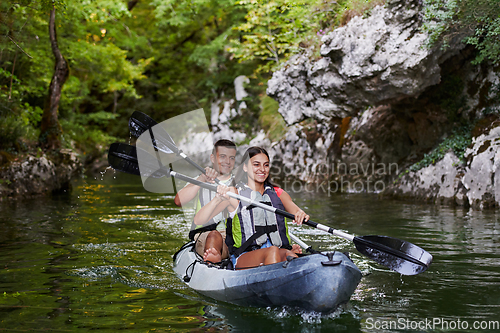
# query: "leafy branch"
480 19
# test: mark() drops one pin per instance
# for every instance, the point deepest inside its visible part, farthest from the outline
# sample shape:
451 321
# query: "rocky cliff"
377 101
36 175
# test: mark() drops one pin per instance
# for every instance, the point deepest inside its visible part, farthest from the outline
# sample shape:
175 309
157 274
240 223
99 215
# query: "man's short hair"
224 143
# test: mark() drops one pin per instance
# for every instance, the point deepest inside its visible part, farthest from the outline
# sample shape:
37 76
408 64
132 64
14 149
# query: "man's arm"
188 192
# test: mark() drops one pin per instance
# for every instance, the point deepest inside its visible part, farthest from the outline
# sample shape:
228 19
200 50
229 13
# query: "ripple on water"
280 318
142 209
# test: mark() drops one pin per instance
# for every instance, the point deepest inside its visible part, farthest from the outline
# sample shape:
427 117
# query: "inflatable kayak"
318 282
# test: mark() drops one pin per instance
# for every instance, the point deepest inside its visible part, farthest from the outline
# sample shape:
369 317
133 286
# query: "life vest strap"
259 231
209 227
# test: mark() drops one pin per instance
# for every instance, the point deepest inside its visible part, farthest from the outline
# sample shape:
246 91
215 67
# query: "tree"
274 30
50 130
82 100
192 66
271 30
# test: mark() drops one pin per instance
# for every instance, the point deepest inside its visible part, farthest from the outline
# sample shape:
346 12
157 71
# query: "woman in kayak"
255 236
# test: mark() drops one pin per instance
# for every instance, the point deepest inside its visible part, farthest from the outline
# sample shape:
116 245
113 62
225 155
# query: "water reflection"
100 258
284 319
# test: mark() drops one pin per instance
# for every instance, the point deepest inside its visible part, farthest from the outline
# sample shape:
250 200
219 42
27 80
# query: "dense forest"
71 72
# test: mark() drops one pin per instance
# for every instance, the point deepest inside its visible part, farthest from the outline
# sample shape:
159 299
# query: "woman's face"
257 168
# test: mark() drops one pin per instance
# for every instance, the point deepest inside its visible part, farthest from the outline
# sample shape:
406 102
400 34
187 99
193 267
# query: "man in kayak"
255 237
211 233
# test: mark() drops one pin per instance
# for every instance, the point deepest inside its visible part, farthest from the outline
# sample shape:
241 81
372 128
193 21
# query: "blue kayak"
318 282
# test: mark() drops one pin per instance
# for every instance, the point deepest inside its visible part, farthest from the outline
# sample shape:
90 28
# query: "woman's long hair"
241 176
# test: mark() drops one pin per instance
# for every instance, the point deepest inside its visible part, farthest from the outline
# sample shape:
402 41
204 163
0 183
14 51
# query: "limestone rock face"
225 109
302 154
378 100
39 175
435 183
369 61
482 175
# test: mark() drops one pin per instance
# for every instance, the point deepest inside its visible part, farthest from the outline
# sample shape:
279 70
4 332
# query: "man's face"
223 160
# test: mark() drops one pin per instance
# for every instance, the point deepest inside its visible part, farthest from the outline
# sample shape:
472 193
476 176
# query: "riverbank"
36 174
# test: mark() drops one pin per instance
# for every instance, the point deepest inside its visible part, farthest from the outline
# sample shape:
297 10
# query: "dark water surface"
100 258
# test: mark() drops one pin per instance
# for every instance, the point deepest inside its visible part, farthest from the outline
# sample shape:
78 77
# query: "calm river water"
100 258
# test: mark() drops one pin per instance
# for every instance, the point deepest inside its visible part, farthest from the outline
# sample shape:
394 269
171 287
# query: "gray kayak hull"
304 282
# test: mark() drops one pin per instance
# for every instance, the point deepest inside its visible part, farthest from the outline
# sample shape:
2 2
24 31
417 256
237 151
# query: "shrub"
458 141
481 18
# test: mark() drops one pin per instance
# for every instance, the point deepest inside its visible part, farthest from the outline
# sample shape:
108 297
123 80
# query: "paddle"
398 255
140 122
122 157
301 243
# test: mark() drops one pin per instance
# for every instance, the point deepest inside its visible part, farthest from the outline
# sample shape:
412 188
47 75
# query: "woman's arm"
292 208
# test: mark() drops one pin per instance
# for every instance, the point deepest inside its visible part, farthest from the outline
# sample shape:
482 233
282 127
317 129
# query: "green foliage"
16 294
31 115
273 30
18 124
84 132
487 40
458 141
100 70
191 66
482 17
11 129
271 120
163 57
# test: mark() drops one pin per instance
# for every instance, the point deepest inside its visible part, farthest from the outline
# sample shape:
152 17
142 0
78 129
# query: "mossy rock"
271 120
484 125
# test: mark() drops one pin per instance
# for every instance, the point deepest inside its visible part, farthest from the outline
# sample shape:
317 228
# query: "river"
100 258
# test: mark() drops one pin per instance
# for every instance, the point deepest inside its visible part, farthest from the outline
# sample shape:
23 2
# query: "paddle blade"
123 157
398 255
140 122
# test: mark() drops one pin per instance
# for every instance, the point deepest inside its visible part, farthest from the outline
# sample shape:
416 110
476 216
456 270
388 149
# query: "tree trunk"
12 76
131 4
50 128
